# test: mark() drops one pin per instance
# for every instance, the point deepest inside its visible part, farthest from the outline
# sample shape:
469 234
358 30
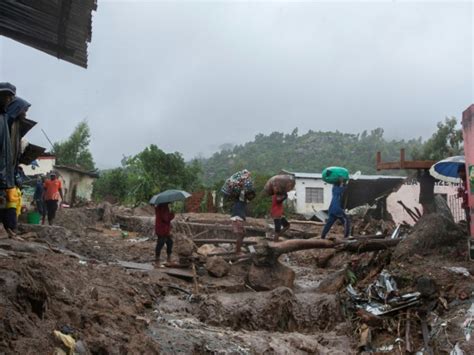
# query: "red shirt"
163 218
277 206
51 188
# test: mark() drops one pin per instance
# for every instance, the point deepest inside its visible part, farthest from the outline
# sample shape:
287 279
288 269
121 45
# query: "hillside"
310 152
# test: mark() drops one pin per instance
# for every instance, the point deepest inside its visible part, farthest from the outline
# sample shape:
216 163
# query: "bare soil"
69 278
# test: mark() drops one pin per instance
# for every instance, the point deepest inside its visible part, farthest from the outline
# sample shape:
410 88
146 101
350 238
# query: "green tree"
75 150
445 142
146 174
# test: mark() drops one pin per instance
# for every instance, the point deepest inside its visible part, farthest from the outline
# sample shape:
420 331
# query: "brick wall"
193 204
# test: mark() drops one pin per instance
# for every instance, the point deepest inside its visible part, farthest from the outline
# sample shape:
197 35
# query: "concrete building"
42 166
77 183
409 193
312 194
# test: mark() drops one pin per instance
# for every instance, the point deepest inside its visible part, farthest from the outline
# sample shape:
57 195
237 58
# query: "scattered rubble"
98 286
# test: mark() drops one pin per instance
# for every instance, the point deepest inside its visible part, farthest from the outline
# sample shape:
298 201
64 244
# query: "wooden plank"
136 266
181 273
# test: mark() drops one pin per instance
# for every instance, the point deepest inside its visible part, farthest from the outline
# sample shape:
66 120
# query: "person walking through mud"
277 212
336 212
163 218
53 190
238 216
38 199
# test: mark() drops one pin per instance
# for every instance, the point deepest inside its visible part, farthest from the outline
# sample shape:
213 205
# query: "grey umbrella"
169 196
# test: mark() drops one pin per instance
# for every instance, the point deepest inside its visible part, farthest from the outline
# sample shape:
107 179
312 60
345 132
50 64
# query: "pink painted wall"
468 135
409 193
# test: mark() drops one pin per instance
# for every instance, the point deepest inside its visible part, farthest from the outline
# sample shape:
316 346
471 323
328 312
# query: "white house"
44 165
77 183
312 194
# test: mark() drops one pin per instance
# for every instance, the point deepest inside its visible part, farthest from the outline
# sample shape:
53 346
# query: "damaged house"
312 194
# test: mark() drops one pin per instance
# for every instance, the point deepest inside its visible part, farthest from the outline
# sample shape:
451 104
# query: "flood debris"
382 296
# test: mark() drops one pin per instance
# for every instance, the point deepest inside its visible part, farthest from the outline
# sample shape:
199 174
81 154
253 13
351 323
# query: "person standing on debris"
277 214
427 184
238 217
464 195
12 211
38 199
163 218
336 212
52 192
7 94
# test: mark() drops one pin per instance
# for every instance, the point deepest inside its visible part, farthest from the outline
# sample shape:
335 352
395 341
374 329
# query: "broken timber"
403 164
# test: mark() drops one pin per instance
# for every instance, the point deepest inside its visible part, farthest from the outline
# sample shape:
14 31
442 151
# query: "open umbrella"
447 169
169 196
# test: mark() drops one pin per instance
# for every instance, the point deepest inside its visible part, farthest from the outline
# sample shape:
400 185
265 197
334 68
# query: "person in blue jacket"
336 212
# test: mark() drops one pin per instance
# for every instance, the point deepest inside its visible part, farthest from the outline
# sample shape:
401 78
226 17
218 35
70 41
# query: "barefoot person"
163 218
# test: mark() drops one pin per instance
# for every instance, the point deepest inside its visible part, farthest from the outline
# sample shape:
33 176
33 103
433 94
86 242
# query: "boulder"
217 266
183 246
269 277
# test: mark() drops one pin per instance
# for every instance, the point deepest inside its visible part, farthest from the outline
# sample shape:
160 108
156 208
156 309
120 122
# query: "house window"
314 195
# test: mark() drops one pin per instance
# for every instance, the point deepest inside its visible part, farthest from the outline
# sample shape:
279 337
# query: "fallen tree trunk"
220 241
215 228
267 253
312 223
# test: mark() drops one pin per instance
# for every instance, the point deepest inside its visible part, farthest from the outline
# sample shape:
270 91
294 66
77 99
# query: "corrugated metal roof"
360 177
61 28
92 174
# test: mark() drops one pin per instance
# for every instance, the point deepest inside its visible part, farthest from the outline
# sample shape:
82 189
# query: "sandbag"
239 181
279 185
333 174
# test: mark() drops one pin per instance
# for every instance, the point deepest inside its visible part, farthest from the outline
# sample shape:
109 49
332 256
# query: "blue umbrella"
169 196
447 169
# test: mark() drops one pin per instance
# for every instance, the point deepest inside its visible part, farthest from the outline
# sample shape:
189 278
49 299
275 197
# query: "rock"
269 277
207 249
217 266
106 214
333 283
81 348
183 246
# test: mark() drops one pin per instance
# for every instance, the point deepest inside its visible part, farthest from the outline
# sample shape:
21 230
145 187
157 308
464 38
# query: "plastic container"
33 217
333 174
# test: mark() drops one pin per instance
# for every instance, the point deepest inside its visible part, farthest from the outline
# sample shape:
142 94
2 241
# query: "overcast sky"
190 76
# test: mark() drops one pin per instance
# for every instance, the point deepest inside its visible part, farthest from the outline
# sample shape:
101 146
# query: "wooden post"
378 159
402 158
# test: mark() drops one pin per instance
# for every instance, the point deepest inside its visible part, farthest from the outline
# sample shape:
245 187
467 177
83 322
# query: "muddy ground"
71 277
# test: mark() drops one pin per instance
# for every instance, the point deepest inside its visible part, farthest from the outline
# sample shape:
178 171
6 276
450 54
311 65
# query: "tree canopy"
74 151
146 174
310 152
445 142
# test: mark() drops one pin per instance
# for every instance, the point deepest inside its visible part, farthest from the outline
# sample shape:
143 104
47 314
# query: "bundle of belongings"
333 174
238 182
279 185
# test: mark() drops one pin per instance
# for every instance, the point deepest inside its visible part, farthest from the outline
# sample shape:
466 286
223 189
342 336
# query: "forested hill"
311 152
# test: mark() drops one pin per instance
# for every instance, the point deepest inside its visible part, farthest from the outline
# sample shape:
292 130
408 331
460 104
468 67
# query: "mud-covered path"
67 278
